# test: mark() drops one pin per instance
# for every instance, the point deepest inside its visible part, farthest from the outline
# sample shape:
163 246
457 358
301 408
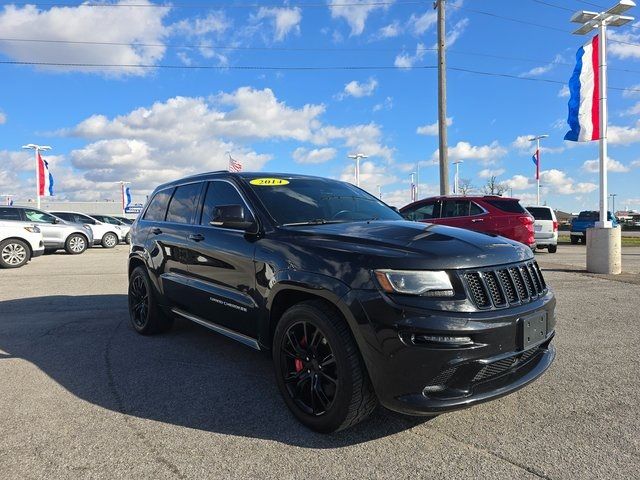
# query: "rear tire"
14 253
323 379
109 240
553 248
147 317
127 238
76 244
584 239
574 240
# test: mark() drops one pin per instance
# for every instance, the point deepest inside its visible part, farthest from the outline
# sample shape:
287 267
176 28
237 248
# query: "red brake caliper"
297 362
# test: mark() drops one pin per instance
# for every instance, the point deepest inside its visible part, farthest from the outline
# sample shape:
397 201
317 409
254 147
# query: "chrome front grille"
501 287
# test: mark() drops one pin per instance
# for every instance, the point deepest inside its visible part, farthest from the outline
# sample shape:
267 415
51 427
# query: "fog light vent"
440 339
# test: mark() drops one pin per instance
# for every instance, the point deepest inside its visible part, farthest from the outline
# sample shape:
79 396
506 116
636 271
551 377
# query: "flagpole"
36 150
602 53
538 172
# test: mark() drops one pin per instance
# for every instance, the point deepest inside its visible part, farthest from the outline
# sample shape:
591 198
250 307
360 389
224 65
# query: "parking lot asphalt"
83 396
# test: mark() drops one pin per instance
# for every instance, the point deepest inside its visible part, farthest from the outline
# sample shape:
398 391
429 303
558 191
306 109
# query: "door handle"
196 237
477 220
156 231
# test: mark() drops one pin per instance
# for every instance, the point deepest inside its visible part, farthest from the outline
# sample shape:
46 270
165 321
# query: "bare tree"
465 186
493 187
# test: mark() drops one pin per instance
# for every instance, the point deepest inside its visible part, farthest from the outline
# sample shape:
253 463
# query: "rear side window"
424 212
66 216
38 216
510 206
158 206
10 214
540 213
220 193
184 203
456 208
588 216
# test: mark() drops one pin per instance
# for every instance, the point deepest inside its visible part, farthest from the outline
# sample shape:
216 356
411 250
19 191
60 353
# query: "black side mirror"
231 216
395 209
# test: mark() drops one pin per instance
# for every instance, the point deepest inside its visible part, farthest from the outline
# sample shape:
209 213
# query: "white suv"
103 233
545 227
19 244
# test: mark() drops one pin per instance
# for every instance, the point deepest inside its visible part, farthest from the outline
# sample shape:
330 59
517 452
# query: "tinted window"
84 219
38 216
511 206
10 214
475 209
540 213
456 208
423 212
302 200
66 216
220 193
588 216
158 206
184 203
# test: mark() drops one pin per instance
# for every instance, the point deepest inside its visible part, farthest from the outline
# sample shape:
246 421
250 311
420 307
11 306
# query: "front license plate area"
534 329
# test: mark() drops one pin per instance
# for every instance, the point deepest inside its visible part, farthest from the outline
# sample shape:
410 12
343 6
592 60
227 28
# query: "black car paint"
242 281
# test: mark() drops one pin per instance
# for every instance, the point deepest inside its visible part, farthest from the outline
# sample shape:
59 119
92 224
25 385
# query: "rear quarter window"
510 206
10 214
158 206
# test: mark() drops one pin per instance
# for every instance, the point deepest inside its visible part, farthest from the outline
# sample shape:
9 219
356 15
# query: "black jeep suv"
356 305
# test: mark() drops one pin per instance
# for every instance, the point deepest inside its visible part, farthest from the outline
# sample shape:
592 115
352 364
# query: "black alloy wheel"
310 369
146 315
138 302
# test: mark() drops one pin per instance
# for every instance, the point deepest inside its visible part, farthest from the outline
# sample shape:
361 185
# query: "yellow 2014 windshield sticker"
269 182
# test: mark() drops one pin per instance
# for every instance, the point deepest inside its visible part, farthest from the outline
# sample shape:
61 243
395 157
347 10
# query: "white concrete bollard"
604 253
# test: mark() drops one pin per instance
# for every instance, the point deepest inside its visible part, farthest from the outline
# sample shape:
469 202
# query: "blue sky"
150 125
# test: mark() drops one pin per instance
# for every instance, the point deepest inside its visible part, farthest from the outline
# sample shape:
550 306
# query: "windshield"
318 200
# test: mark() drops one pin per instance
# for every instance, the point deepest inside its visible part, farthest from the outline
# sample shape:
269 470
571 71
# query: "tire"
76 244
584 239
127 238
328 405
574 240
553 248
109 240
14 253
146 315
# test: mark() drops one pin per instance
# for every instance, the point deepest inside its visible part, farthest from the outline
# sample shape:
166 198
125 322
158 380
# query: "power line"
291 68
214 5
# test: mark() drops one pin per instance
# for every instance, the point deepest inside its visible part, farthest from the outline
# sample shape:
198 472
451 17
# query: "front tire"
553 248
76 244
574 239
109 240
14 253
146 315
319 370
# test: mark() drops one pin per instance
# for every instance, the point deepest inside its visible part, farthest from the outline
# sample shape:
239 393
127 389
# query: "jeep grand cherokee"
355 305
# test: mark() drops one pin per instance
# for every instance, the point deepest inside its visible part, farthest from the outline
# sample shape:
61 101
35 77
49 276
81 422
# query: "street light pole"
456 180
613 203
537 140
37 149
357 157
603 242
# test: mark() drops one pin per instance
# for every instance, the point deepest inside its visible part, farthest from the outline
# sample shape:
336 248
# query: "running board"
238 337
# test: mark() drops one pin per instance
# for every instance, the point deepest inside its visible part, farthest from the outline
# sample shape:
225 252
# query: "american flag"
234 165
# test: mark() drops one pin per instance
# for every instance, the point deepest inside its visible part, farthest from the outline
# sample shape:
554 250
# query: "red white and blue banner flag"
536 161
584 87
46 179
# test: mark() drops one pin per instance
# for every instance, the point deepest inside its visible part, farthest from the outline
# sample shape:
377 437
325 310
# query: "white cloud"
541 70
632 91
3 118
386 105
619 135
518 182
564 92
486 154
359 90
82 22
215 23
456 32
558 182
364 139
633 110
635 163
371 175
432 128
593 166
390 31
285 20
488 173
355 13
559 123
406 60
421 23
317 155
628 49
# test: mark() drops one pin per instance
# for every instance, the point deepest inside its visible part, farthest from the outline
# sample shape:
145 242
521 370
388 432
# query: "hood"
412 245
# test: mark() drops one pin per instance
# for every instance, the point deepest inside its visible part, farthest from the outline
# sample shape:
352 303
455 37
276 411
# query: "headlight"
415 282
33 229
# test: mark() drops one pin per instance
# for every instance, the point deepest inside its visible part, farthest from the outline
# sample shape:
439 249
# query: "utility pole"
443 149
37 149
357 157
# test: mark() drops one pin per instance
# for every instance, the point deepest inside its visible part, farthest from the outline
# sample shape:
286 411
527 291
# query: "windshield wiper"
317 221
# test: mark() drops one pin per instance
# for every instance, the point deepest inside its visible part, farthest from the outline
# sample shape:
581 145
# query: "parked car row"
73 232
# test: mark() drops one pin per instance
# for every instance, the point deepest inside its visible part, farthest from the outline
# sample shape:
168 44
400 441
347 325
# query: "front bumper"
427 378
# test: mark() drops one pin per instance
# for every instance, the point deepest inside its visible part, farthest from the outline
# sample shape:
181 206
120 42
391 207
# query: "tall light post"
357 157
37 149
380 192
537 139
613 203
413 187
603 243
456 179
